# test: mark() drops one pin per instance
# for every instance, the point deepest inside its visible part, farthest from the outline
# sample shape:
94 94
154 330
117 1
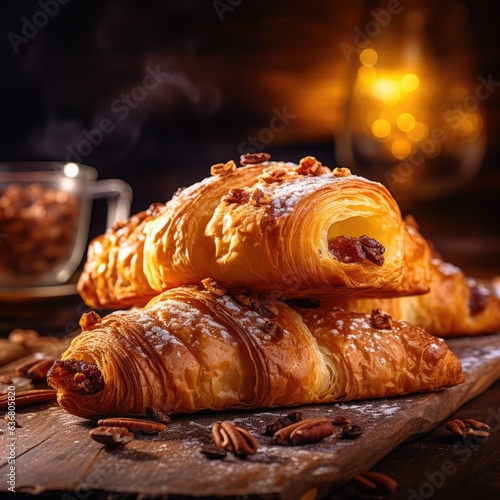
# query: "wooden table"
410 445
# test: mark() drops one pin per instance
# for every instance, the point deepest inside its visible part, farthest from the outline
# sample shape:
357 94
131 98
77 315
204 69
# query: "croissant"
279 229
455 305
195 348
114 276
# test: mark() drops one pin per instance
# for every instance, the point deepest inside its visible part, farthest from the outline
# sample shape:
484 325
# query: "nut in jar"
45 210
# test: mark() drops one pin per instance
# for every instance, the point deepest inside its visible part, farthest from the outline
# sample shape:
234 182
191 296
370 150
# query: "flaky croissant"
191 349
279 229
114 272
456 304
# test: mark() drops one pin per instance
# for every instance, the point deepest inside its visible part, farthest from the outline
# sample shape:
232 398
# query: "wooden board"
54 452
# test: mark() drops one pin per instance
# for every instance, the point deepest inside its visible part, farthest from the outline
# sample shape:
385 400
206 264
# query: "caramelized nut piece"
254 158
256 301
235 439
351 250
133 424
214 286
304 432
311 166
341 172
273 174
236 195
258 197
223 168
381 320
89 320
274 330
111 436
157 415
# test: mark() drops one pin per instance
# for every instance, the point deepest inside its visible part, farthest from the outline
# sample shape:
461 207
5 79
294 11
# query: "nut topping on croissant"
273 227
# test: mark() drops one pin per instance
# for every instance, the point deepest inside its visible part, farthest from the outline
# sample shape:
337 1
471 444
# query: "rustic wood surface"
53 451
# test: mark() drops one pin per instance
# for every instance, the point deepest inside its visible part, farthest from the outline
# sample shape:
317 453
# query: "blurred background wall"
154 92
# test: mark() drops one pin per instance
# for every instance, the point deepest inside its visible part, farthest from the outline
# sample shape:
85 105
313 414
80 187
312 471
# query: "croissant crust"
190 349
269 227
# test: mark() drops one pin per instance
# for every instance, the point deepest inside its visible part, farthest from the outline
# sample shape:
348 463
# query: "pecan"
377 483
291 418
381 320
456 426
265 307
236 195
235 439
243 296
273 174
223 168
477 428
254 158
157 415
111 436
351 431
341 172
468 427
29 398
133 424
351 250
214 287
341 420
213 452
35 369
304 432
258 197
311 166
274 330
295 416
89 320
23 337
256 301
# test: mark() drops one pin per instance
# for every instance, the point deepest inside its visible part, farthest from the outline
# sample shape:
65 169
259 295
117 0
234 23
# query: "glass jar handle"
118 195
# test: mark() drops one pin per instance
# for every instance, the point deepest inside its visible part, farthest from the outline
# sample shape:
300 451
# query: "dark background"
225 69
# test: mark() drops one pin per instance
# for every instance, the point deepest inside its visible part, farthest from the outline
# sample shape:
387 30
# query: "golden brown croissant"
456 305
191 349
114 273
279 229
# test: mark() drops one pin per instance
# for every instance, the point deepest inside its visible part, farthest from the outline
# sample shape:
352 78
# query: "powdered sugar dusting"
288 193
472 357
179 318
250 320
